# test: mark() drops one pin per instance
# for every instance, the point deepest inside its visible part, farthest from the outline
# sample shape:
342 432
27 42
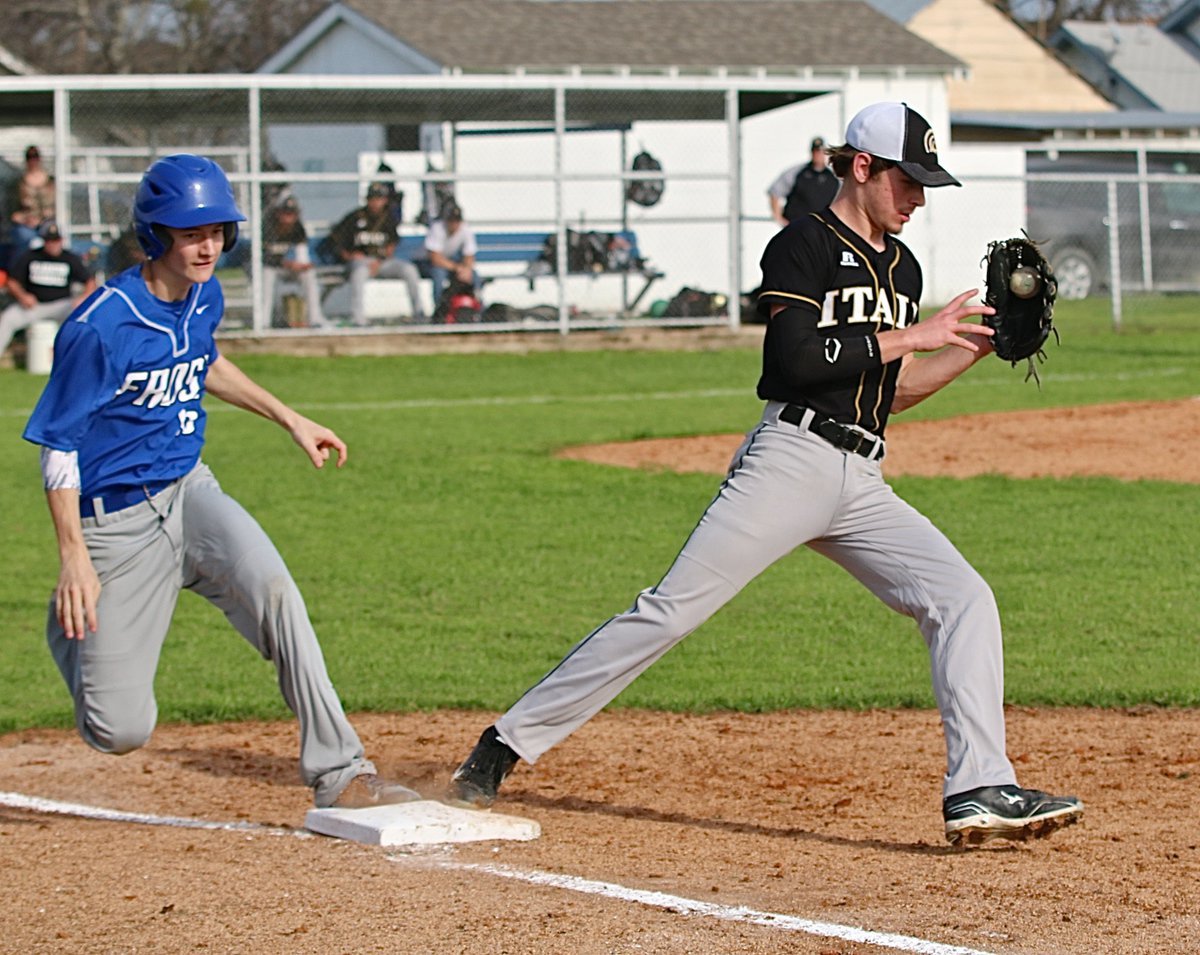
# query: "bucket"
39 347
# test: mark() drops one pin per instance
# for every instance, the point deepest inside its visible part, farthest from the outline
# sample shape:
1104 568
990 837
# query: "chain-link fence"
590 204
593 202
1120 225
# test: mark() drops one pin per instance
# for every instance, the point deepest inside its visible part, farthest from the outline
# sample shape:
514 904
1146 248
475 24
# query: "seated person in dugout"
365 241
287 265
45 283
450 251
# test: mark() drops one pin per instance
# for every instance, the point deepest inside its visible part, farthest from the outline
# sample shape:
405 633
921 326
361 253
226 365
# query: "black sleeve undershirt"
803 357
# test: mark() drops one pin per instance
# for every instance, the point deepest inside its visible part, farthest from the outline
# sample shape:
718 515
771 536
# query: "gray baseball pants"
194 535
360 274
16 317
787 487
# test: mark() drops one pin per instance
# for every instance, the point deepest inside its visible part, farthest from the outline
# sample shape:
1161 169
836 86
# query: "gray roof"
1120 121
1155 64
12 64
506 35
1180 17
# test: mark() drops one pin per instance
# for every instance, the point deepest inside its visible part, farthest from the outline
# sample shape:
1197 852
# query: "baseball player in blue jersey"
841 296
138 516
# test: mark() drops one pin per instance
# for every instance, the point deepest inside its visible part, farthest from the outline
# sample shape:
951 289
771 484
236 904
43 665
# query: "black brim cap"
896 132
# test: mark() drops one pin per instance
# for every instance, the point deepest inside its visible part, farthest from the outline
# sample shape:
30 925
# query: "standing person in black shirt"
805 187
842 297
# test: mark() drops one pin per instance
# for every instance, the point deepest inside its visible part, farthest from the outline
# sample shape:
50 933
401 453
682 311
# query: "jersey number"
187 421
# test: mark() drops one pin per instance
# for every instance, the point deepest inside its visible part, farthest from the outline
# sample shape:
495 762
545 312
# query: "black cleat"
476 781
1006 812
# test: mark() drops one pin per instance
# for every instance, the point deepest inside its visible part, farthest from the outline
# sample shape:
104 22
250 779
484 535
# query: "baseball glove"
1021 288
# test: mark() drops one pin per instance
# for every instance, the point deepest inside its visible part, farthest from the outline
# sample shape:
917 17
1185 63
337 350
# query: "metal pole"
1114 254
560 126
62 139
732 120
1144 218
260 311
622 185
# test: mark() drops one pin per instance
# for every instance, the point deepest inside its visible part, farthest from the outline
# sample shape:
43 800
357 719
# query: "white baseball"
1024 282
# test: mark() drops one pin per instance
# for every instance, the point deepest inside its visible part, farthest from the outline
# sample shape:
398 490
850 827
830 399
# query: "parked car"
1158 221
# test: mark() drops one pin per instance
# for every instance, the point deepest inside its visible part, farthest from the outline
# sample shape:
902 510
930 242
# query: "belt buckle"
853 440
839 436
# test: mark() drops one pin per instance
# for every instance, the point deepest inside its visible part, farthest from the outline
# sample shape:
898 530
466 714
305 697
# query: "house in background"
13 65
1139 65
1009 69
1014 92
837 70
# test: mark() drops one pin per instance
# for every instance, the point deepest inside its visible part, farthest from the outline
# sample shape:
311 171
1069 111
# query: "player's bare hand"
76 595
947 327
318 442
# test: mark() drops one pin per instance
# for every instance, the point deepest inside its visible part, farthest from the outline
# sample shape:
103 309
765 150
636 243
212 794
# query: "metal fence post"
1114 254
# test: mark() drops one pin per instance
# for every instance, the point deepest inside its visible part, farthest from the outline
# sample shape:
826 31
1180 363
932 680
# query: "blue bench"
513 248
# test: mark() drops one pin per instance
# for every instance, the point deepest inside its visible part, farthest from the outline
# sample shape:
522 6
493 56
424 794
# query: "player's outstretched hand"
76 595
947 327
318 442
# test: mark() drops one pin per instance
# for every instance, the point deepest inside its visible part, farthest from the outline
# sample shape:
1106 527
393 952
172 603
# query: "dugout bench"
527 249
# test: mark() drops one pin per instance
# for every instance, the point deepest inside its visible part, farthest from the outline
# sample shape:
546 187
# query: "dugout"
522 152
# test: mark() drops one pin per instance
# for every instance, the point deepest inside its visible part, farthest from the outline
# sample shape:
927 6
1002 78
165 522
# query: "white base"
419 823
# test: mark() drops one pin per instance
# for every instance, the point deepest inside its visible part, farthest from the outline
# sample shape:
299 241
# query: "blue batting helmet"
181 192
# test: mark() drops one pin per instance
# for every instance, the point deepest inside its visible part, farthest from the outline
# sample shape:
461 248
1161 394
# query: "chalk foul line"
724 913
570 883
54 807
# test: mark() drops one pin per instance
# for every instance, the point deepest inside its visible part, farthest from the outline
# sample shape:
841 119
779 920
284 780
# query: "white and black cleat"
1006 812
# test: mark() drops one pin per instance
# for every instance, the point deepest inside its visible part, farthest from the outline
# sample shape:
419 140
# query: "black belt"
839 435
118 498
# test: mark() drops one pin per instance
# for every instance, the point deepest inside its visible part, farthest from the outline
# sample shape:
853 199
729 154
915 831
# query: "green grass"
454 559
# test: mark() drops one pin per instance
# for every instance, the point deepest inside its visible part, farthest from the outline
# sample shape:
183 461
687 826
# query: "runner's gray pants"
194 536
788 487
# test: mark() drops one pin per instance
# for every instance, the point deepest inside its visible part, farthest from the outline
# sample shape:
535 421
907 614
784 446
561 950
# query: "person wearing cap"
450 251
842 296
45 282
805 187
34 200
365 241
287 264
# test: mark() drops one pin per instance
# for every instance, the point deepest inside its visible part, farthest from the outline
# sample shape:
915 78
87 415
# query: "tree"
1044 17
153 36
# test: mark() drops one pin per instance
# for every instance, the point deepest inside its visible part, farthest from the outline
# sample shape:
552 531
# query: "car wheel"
1076 273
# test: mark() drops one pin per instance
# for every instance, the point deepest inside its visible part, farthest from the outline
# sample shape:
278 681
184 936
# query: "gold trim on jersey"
792 295
866 263
896 318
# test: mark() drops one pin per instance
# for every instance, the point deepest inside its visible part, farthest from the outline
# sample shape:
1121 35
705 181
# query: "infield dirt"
830 816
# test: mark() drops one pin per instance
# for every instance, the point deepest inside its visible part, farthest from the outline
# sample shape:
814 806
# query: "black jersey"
279 240
48 277
839 293
812 191
367 232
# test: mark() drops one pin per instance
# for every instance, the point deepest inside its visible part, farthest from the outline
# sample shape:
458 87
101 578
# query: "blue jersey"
126 383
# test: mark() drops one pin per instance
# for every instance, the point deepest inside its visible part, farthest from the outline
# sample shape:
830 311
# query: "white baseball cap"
897 132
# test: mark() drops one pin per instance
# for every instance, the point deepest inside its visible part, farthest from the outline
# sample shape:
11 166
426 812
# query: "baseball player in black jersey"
841 296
